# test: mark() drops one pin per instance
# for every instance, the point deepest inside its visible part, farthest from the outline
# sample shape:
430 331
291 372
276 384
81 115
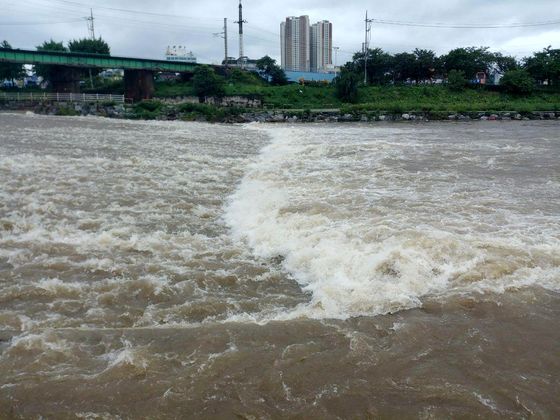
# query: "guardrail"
61 97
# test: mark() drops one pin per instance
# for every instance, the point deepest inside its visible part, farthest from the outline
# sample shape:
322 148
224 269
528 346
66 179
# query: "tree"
518 82
426 64
346 85
380 66
456 80
269 70
207 83
90 46
46 71
544 66
470 60
239 76
505 63
404 67
10 71
419 65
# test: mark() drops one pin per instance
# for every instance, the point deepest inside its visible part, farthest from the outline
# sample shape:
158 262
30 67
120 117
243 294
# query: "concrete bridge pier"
138 84
65 79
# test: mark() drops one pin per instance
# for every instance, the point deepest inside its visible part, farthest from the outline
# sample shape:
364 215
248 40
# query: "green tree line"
458 66
425 65
85 45
11 71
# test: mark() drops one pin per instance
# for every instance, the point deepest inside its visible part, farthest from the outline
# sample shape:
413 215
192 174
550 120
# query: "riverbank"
254 101
157 110
392 98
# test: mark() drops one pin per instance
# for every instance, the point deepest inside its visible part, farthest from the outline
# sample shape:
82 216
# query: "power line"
143 23
38 23
207 27
123 19
141 12
44 10
466 25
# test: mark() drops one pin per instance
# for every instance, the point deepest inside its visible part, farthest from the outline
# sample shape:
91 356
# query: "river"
186 270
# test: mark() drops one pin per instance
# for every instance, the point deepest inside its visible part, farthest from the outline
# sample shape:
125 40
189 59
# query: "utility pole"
225 42
91 29
335 55
241 22
224 36
366 45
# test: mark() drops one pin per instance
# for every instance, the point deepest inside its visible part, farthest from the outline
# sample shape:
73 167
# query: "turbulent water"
314 271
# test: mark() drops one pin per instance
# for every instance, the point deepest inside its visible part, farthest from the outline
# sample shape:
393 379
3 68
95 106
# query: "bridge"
138 72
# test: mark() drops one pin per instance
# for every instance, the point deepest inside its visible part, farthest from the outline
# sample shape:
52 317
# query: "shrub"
147 110
456 80
518 82
149 105
346 86
244 77
207 83
396 108
67 112
208 112
270 71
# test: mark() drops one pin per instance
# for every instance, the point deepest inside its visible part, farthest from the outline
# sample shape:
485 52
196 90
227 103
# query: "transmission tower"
241 22
90 24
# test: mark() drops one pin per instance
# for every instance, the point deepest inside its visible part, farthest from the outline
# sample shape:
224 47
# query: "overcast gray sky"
144 28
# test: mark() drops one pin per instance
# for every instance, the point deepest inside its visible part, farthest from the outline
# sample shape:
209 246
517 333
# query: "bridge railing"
61 97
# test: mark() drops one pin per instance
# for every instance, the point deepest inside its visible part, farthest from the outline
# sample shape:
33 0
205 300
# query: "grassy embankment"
282 97
383 98
442 99
436 100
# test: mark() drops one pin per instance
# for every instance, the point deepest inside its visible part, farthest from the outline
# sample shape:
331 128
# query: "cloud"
193 23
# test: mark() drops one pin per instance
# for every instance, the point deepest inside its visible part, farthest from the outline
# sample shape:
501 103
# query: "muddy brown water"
184 270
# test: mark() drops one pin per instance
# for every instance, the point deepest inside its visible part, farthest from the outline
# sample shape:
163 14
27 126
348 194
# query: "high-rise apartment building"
295 43
321 46
305 48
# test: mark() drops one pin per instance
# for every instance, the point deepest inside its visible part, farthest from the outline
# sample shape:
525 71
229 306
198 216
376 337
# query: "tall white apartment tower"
321 46
295 43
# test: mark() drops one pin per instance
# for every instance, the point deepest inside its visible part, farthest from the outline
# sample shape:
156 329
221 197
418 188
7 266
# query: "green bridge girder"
92 60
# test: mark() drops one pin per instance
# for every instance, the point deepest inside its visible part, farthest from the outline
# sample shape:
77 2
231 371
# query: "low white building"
179 53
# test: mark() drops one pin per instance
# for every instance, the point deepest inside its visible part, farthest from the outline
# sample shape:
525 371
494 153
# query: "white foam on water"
128 355
362 264
88 415
58 288
44 345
